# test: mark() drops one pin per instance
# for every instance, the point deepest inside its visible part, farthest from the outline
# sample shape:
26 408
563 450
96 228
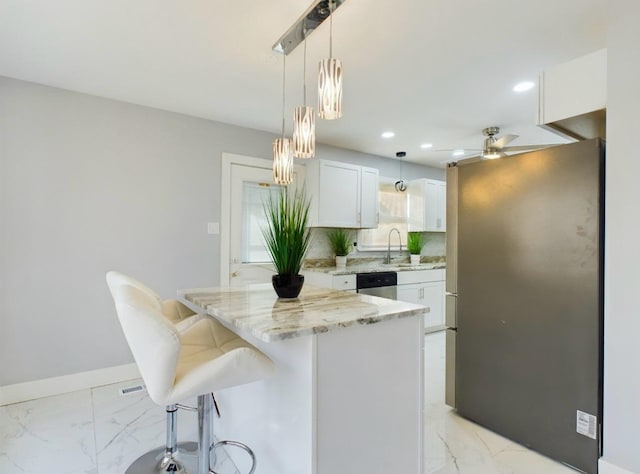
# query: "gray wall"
89 185
622 257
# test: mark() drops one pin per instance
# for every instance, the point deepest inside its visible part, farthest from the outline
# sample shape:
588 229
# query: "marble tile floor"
100 431
454 445
97 431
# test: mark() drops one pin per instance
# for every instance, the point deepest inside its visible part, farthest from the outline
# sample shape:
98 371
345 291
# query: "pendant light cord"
304 74
331 28
284 67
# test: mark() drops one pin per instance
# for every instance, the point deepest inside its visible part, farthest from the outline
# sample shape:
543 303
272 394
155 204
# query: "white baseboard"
605 467
21 392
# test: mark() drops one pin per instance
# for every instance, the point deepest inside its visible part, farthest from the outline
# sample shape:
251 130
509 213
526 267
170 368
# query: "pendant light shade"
330 89
330 80
282 161
304 121
282 147
304 132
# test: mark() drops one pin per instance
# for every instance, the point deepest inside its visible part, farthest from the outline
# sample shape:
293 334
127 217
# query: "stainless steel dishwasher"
382 284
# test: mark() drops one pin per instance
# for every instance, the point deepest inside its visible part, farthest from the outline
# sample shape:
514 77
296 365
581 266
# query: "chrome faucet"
388 259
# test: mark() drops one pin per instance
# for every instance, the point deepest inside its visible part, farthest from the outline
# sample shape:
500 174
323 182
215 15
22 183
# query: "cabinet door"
441 206
427 205
416 205
433 296
409 293
429 294
369 203
431 206
339 195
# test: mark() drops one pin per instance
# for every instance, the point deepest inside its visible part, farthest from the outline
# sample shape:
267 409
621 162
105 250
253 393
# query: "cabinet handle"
438 222
421 293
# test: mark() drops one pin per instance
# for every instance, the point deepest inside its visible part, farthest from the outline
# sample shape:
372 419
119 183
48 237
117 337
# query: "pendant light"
304 121
330 80
401 184
282 149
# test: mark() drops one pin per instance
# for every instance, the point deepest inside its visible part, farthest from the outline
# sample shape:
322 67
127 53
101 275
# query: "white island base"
346 401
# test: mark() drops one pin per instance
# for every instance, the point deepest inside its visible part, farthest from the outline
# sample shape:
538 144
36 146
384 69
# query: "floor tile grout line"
95 436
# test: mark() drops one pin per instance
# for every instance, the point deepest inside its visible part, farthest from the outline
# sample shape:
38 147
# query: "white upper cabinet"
427 209
572 97
342 195
369 202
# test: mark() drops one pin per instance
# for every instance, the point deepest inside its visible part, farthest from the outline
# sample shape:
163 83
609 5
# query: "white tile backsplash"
320 248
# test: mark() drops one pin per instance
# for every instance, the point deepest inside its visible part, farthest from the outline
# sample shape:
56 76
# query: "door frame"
227 161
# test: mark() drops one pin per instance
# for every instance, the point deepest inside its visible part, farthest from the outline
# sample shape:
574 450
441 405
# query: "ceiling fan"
497 147
494 147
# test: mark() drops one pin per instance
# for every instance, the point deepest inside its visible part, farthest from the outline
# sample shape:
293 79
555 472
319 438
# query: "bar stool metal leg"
205 415
169 458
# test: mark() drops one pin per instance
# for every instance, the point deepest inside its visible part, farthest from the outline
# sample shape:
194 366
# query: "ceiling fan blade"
461 159
434 150
526 147
502 141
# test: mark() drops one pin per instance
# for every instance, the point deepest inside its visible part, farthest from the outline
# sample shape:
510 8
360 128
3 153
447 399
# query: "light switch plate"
213 228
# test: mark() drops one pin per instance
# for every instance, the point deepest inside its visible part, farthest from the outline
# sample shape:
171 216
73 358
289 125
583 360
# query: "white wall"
622 251
89 185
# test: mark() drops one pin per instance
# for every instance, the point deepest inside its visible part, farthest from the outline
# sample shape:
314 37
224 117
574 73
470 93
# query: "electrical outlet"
213 228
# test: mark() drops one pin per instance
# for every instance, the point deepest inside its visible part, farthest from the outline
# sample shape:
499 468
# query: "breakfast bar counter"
348 393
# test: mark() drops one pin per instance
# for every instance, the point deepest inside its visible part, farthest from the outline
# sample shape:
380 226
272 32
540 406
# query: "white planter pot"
415 259
341 261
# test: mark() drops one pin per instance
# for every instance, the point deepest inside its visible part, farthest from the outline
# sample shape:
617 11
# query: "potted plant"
340 241
415 242
287 238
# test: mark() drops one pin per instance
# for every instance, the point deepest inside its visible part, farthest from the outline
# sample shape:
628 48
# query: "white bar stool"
193 358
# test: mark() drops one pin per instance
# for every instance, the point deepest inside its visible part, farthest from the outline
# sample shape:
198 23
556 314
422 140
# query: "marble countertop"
375 267
258 310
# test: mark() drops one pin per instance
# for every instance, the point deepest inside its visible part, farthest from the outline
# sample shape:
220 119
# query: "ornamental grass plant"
287 236
340 242
415 242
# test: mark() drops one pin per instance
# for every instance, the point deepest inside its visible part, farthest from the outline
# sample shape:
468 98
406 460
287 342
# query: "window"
393 214
254 249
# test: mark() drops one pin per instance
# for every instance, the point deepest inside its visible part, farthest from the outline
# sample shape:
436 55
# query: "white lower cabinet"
326 280
428 292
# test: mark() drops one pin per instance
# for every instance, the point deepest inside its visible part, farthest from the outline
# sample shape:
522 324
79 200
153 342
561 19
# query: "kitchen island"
348 393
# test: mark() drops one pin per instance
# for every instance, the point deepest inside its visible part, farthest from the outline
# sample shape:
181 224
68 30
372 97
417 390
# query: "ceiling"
432 71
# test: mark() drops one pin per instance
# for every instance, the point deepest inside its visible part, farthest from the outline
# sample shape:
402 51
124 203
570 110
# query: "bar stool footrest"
237 444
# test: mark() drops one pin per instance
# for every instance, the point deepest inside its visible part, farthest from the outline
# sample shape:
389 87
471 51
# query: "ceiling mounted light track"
312 18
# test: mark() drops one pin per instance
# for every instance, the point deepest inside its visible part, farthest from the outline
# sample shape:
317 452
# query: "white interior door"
246 183
249 259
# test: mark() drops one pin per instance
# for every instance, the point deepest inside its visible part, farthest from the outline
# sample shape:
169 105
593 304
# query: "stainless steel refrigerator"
524 305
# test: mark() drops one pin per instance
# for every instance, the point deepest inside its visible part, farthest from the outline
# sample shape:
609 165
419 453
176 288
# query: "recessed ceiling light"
424 146
523 86
388 135
458 152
